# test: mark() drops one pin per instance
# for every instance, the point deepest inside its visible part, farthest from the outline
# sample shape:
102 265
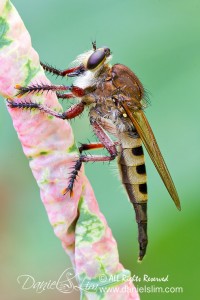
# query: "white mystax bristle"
85 80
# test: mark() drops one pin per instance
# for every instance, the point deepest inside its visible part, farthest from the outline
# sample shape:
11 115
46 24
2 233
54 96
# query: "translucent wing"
145 132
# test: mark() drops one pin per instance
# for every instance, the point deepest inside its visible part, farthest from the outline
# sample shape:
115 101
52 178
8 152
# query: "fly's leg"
106 142
93 146
78 165
71 72
75 91
74 111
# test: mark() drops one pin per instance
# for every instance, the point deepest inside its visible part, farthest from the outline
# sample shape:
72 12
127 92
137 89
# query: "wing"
145 132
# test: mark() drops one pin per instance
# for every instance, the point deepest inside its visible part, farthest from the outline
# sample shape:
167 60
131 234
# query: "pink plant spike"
49 145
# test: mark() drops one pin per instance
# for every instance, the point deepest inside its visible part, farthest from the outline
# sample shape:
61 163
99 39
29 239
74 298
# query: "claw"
20 90
18 86
66 190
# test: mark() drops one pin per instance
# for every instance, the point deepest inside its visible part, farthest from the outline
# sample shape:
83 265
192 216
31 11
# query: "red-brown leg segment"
71 72
74 111
92 146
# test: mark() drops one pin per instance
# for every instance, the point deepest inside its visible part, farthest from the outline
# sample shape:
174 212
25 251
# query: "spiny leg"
77 167
74 111
78 164
106 142
36 88
71 72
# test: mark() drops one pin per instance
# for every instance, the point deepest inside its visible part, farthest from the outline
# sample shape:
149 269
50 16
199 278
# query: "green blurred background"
160 42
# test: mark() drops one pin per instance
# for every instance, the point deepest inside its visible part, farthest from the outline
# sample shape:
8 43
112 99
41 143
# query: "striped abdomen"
133 175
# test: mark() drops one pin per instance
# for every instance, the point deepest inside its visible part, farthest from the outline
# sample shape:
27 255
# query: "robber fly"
114 96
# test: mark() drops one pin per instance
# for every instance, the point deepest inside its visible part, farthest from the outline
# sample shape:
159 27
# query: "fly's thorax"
132 167
124 78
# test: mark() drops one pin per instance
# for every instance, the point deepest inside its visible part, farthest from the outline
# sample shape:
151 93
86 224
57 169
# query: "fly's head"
96 59
99 58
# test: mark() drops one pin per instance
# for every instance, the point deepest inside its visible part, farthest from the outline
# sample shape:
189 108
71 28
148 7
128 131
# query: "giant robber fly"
114 96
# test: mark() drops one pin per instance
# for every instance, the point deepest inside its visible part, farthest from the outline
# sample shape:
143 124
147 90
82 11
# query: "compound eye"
95 59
